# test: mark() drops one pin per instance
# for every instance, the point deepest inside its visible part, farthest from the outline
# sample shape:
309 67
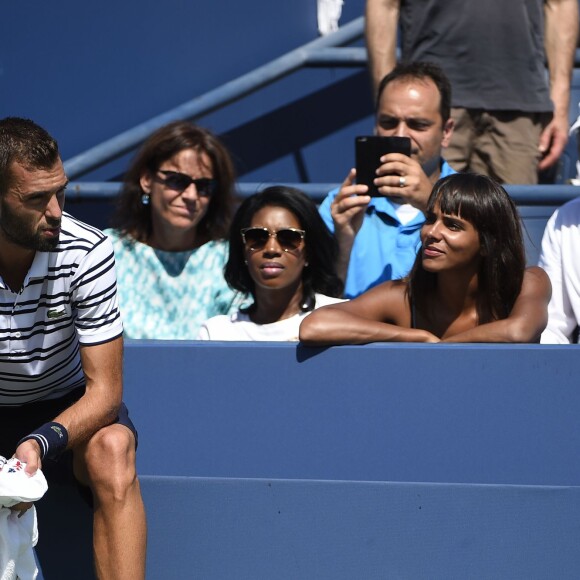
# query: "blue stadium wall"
272 461
87 72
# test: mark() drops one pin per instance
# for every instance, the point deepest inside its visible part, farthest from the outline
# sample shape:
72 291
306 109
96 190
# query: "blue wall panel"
219 529
264 460
431 413
297 530
89 72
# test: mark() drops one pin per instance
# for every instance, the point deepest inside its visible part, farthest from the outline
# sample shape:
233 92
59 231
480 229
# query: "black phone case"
369 150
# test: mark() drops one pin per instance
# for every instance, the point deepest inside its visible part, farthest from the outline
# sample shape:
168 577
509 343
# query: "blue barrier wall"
101 74
444 413
292 530
278 461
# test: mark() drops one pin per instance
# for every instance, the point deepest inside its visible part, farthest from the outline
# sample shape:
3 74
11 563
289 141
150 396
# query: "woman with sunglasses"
468 284
283 255
170 225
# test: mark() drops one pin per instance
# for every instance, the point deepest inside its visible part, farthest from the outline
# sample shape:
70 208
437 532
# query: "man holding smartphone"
378 237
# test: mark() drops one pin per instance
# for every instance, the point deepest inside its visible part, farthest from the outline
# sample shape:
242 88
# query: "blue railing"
521 194
323 52
320 52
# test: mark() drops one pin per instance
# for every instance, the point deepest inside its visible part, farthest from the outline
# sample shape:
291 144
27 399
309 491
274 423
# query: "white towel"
328 12
18 536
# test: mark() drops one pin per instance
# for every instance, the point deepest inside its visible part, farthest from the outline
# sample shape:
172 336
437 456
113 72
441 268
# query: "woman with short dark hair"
282 254
468 284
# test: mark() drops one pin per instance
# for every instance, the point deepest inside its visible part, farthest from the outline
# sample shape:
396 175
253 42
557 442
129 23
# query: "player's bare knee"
110 458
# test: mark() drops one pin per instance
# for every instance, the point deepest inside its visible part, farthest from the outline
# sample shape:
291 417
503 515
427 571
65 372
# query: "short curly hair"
24 142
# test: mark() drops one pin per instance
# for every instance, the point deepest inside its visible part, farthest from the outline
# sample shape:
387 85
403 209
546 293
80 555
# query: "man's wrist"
345 240
52 439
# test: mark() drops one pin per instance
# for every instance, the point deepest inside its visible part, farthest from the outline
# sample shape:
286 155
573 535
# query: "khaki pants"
500 144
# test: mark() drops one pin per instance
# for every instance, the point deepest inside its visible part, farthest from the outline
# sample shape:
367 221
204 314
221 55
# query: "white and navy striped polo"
69 297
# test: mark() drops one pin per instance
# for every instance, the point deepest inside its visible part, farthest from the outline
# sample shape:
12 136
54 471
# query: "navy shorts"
16 422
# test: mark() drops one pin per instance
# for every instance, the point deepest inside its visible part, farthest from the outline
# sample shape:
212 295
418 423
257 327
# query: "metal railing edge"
227 93
543 194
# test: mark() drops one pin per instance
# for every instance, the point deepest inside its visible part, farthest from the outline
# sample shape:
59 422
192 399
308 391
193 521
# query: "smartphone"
368 152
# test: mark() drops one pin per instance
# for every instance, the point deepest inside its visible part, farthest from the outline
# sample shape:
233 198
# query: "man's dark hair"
321 247
24 142
421 71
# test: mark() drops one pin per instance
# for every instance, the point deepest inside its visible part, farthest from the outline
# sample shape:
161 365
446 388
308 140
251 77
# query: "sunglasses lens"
256 238
180 182
177 181
204 186
289 239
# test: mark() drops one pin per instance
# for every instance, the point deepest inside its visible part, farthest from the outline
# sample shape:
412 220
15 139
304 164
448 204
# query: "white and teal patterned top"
167 295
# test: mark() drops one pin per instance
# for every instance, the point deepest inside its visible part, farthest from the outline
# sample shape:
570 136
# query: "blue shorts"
16 422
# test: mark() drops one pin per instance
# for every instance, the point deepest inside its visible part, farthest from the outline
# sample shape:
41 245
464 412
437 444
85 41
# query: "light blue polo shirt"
384 248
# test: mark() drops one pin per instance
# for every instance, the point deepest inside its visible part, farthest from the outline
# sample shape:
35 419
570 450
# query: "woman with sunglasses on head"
172 218
468 284
283 255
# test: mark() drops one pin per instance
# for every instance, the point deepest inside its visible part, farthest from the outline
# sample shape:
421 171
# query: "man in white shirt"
561 260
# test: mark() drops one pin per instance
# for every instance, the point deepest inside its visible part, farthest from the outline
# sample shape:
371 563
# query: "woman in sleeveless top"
469 282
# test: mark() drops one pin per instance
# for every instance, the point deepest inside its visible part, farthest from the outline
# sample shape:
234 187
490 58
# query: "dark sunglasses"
180 182
256 238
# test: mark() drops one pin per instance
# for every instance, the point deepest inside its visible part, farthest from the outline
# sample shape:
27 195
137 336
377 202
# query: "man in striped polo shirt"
61 348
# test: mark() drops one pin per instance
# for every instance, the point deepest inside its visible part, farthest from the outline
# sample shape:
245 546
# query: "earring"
246 262
145 199
306 264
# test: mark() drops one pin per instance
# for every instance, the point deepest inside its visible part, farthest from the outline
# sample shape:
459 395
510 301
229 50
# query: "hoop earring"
145 199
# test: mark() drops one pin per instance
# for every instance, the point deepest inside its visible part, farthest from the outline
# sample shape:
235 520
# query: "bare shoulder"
393 289
536 284
535 271
398 286
536 276
386 302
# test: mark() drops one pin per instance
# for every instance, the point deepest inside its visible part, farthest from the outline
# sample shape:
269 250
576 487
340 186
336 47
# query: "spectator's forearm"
561 35
382 17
